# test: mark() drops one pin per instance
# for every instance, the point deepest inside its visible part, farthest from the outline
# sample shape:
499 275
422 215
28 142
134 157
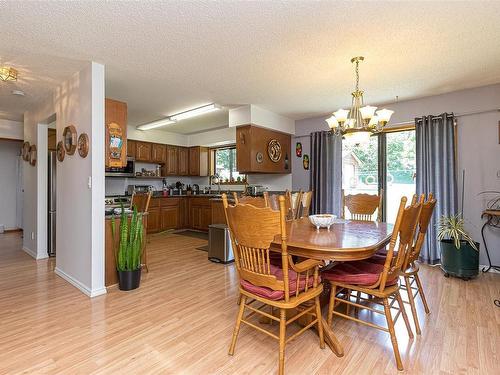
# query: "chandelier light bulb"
384 115
367 112
332 122
341 115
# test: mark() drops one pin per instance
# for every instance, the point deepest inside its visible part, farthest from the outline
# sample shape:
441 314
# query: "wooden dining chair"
362 206
306 201
263 284
254 201
141 202
378 280
291 209
410 265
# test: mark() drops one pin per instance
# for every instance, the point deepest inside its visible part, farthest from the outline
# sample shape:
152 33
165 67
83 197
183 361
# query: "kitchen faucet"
215 178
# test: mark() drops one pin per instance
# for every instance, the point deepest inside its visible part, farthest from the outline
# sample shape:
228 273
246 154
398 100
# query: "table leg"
490 266
331 340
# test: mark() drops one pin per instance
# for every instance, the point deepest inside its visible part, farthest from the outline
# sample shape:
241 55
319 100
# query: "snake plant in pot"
459 252
129 250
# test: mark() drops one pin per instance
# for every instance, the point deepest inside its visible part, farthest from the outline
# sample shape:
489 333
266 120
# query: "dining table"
345 240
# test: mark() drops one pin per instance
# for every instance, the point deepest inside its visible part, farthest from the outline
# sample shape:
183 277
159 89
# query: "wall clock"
274 150
60 151
69 137
26 151
83 145
32 155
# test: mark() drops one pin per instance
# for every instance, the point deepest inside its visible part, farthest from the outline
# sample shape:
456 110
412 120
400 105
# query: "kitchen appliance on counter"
255 190
219 244
127 171
131 189
196 189
51 204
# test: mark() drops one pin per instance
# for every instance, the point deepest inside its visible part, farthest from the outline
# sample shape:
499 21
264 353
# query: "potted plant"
128 253
459 252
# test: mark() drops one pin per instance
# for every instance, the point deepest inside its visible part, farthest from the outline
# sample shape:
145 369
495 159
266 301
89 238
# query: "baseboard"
13 230
77 284
29 252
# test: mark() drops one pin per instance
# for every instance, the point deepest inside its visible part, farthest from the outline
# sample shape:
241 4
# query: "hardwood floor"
181 318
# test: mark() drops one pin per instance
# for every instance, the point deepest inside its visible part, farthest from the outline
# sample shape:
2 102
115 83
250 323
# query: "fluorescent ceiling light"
195 112
156 124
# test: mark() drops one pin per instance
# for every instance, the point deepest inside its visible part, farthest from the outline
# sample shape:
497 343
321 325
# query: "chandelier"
8 74
360 122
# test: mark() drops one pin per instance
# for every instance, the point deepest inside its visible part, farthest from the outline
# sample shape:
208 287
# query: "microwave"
126 171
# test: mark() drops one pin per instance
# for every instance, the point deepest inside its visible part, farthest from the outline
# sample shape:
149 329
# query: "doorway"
387 163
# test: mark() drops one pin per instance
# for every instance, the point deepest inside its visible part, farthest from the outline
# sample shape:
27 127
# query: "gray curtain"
436 173
326 172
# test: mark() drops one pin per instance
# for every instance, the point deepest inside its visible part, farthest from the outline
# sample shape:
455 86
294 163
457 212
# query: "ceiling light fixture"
18 92
8 74
156 124
195 112
360 122
180 116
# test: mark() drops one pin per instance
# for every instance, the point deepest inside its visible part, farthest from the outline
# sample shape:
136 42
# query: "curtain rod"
411 122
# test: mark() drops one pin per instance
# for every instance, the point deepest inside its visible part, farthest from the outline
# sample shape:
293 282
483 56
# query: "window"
384 162
224 164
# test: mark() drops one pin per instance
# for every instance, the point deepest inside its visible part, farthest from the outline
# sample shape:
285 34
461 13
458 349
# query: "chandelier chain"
357 75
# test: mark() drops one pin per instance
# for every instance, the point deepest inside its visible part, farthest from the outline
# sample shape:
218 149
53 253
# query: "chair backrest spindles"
362 206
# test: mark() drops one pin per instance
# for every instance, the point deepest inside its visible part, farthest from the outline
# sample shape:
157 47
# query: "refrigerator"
51 204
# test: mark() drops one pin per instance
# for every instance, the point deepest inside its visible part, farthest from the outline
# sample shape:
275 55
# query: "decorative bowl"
322 220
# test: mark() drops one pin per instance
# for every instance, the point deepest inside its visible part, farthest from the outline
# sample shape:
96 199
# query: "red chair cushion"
276 295
361 272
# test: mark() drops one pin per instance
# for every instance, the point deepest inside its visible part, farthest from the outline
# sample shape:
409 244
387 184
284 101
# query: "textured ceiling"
289 57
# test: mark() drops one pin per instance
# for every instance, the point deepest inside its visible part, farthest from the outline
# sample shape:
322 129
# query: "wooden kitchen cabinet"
153 220
115 120
198 161
131 148
158 153
143 151
200 213
169 217
251 140
183 161
217 212
171 161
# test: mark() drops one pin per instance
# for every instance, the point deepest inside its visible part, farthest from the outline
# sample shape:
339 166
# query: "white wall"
158 136
252 114
478 148
11 129
80 207
9 172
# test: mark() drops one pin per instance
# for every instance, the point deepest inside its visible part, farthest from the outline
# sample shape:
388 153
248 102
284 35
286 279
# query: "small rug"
193 234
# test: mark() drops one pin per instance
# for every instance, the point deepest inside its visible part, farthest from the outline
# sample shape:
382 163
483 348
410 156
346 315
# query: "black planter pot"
129 280
463 262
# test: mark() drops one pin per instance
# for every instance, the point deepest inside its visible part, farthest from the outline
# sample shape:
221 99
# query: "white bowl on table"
322 220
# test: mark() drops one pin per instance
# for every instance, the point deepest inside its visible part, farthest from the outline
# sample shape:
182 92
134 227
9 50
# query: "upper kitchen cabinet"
198 161
158 153
131 148
183 161
260 150
143 151
171 162
116 133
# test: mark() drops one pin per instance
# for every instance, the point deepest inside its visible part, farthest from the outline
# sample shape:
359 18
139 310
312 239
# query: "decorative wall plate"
32 155
60 151
274 150
69 137
26 151
298 149
83 145
305 162
259 157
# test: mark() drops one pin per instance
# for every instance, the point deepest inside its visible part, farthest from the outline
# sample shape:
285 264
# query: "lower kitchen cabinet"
200 213
169 217
153 220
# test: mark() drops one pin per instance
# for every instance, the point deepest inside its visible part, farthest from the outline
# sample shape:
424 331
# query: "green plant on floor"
129 251
452 228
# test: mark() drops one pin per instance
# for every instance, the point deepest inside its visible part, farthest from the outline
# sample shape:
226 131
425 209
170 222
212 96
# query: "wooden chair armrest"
305 265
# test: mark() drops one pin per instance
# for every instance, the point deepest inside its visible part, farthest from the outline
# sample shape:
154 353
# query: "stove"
116 201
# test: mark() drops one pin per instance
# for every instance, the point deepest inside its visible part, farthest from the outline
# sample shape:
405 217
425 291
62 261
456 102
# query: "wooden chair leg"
348 298
403 312
237 326
358 300
331 305
145 258
320 323
281 370
409 291
422 295
238 302
390 325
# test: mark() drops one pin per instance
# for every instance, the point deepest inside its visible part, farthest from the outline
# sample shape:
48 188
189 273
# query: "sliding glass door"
385 163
